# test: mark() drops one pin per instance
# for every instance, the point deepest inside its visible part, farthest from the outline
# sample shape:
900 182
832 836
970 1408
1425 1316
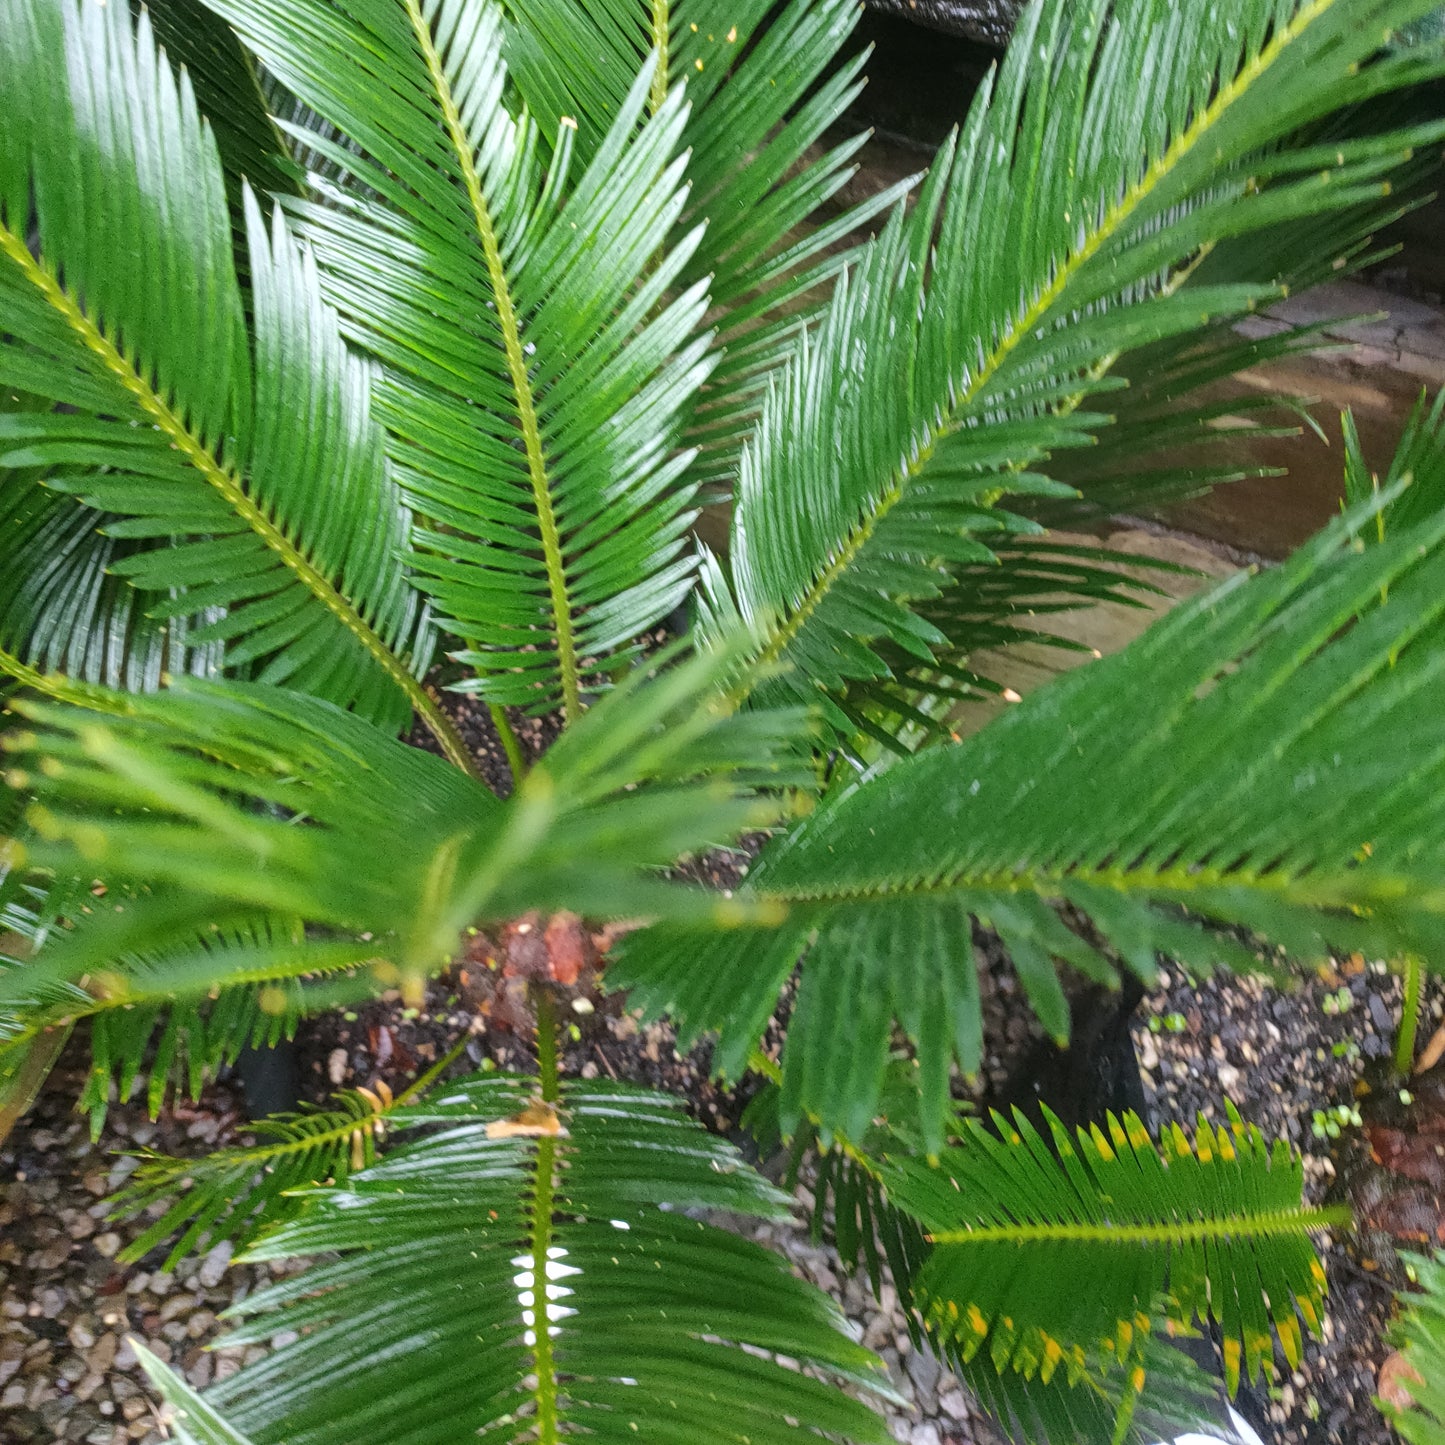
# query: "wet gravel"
1281 1057
67 1306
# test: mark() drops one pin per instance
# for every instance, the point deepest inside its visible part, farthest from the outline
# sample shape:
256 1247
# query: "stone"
215 1263
923 1369
107 1244
953 1404
177 1304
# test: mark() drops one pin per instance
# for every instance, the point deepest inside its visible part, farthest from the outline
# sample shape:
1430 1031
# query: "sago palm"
338 334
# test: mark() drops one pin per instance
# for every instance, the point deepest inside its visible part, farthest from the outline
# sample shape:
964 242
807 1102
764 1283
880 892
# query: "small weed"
1327 1123
1338 1002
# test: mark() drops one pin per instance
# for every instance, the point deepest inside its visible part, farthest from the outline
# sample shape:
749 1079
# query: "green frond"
235 1192
1050 1255
1060 246
538 1280
63 608
192 1421
991 605
760 96
172 990
238 469
1251 761
203 804
1420 1333
1161 1395
537 343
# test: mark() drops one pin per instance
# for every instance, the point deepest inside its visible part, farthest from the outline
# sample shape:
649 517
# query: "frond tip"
1052 1255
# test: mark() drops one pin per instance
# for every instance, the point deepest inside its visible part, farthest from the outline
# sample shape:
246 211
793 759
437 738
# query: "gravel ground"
1280 1058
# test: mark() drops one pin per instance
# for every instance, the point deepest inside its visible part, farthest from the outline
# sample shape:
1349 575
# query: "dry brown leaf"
1433 1051
1396 1375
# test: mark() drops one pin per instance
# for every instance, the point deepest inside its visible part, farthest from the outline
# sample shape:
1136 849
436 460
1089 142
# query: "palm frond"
1251 761
1420 1333
534 1280
64 610
537 360
209 802
1050 1255
944 374
1162 1395
233 1193
760 96
244 463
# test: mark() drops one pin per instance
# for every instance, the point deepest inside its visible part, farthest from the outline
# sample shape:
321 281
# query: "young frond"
532 1269
234 1193
215 800
1059 232
1253 760
225 448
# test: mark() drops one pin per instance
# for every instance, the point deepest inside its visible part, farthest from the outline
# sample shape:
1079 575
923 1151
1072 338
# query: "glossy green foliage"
759 96
1420 1333
1235 762
543 1287
1048 1255
1059 231
225 448
536 357
211 806
232 1193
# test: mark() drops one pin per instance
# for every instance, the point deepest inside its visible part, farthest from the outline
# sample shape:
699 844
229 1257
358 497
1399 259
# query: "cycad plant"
339 334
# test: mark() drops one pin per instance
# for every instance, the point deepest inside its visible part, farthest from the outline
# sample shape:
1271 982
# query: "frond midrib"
1014 334
552 558
229 488
1235 1226
1178 879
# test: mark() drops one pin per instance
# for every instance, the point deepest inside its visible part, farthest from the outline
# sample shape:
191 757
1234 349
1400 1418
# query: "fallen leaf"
1433 1051
1396 1375
1416 1156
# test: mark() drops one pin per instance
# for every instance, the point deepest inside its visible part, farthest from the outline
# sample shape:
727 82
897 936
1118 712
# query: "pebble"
214 1264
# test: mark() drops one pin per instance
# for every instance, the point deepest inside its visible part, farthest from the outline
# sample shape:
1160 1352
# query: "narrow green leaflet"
1046 243
192 1420
532 1270
538 348
227 447
1266 757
